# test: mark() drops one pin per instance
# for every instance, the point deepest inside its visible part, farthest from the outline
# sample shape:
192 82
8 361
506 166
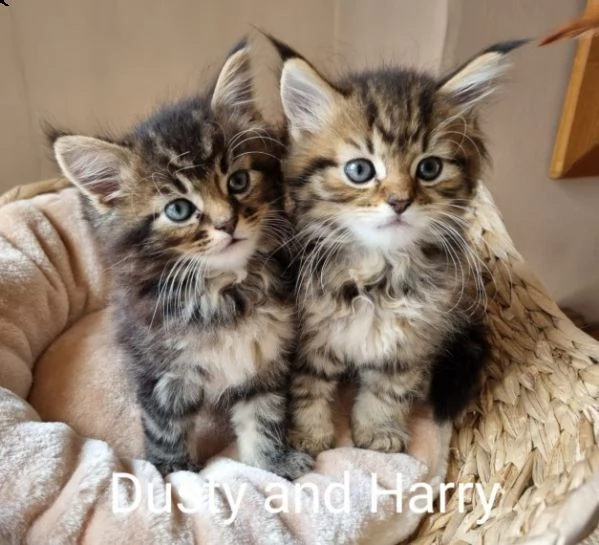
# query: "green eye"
179 210
429 168
359 171
238 182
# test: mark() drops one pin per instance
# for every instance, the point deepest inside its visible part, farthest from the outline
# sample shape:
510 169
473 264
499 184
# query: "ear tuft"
52 132
94 165
477 78
285 51
507 47
234 84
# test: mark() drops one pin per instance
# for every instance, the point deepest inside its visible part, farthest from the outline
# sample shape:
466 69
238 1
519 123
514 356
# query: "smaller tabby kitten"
187 209
381 169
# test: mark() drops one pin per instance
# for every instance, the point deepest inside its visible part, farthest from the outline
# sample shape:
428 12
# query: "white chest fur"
378 325
230 356
365 332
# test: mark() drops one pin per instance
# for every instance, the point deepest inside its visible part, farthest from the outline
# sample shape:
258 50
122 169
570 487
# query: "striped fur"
389 290
202 306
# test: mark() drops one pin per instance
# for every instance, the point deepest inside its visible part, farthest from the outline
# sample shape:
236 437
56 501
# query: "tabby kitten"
187 209
382 167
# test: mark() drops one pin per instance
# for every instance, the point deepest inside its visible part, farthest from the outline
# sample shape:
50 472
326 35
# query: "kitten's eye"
429 168
179 210
238 182
359 171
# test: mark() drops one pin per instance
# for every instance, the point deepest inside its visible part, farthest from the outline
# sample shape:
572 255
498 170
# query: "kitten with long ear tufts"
187 210
381 170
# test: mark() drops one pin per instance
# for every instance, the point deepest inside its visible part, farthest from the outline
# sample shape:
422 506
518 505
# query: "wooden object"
576 150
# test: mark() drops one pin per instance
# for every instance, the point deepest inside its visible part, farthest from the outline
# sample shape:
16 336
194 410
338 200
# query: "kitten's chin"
389 237
232 257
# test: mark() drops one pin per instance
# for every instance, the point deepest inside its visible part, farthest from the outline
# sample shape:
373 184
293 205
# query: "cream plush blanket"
69 427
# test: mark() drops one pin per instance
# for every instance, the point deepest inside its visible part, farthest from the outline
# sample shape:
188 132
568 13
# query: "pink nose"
399 205
228 226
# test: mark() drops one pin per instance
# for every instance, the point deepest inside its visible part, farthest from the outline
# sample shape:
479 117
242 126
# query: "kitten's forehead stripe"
408 121
179 185
369 144
177 140
224 163
372 113
387 136
397 104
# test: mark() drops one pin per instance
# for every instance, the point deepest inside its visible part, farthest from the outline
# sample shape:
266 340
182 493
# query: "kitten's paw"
311 442
291 464
380 439
170 466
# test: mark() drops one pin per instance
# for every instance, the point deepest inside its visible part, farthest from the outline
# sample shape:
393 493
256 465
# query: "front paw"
291 464
383 439
166 467
312 442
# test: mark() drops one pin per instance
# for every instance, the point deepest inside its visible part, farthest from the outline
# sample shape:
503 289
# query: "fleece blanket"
71 467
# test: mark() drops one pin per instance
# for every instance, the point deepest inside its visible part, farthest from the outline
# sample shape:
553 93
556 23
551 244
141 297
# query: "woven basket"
535 428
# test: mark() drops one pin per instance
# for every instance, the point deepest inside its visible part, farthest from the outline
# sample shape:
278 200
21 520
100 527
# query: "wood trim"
576 150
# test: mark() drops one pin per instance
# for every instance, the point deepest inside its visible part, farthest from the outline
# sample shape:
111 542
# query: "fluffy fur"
389 289
188 212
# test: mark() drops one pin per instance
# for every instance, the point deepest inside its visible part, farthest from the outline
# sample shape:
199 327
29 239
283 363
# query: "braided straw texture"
535 428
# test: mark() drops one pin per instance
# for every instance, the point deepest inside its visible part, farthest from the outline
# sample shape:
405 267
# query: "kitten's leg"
168 407
259 423
166 444
312 391
379 415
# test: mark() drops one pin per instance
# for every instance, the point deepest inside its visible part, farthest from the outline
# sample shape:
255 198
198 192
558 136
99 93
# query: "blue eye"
179 210
429 168
359 171
238 182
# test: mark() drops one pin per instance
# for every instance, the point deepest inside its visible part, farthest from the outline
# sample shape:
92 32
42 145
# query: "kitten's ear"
94 165
234 84
478 77
308 98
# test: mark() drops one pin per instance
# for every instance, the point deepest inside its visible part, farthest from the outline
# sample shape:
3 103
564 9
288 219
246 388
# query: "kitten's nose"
399 205
228 225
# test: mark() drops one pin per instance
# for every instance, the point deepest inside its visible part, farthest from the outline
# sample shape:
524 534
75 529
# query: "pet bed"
68 421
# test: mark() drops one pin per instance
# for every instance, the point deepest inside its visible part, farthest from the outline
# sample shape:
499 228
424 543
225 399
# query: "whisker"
261 138
258 153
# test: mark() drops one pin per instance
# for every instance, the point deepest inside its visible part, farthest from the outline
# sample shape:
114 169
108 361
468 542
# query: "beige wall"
90 64
18 158
372 32
555 224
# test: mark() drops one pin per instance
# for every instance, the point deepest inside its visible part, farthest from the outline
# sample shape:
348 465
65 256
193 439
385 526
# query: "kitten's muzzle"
399 205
